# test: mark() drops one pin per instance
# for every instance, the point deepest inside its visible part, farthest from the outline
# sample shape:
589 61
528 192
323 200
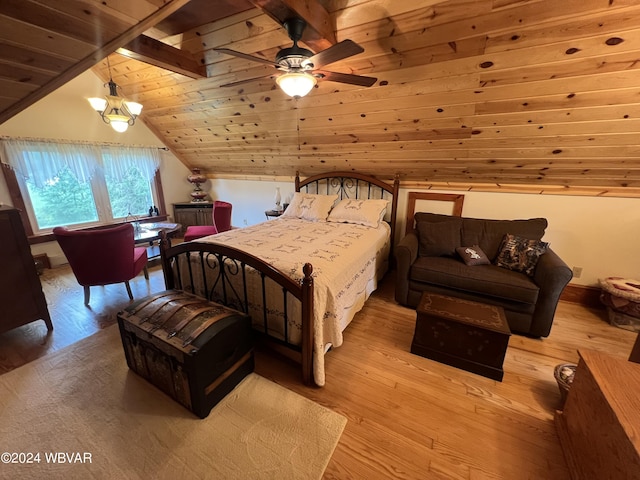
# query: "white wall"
599 234
250 199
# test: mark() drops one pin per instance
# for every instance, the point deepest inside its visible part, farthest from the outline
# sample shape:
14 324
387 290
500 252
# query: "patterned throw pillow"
520 254
473 255
310 206
362 212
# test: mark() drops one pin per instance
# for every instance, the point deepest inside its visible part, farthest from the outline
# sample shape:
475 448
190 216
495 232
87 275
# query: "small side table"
273 213
149 234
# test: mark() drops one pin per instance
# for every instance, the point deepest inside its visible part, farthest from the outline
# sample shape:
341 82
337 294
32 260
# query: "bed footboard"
244 282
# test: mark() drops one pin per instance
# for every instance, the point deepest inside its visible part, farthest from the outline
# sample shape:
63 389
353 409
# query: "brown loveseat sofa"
427 261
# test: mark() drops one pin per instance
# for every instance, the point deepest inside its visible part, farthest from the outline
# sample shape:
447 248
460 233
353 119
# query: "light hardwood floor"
408 417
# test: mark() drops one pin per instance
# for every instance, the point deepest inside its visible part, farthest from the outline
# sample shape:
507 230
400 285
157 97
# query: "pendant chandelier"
115 110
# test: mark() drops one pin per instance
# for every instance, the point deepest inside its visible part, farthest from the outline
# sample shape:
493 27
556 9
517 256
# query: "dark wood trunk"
192 349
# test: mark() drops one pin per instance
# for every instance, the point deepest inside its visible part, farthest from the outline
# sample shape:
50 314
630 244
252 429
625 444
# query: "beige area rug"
83 406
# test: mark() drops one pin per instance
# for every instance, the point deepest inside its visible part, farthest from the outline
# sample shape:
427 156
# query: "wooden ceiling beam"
320 32
148 50
87 62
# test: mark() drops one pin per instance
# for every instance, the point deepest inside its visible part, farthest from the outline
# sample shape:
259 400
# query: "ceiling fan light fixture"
301 64
296 84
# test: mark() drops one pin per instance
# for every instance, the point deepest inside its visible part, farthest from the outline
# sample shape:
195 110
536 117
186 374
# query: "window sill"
49 237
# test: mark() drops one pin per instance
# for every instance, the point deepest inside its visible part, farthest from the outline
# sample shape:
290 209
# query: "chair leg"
86 295
146 272
129 290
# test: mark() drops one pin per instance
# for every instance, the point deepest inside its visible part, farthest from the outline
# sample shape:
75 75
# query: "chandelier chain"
298 126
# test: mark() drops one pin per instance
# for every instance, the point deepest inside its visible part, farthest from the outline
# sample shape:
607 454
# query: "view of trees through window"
65 201
129 196
83 184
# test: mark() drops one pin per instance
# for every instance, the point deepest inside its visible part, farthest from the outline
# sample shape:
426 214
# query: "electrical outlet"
577 271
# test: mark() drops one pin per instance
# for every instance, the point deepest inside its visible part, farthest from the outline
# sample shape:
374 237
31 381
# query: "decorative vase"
278 199
196 177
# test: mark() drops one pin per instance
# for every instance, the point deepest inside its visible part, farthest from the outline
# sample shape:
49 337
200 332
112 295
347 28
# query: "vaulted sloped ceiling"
470 92
45 43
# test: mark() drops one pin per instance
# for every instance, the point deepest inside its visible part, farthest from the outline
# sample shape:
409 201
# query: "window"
62 200
129 195
82 185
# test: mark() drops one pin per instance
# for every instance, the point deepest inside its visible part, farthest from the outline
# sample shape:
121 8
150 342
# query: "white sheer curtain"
119 160
39 161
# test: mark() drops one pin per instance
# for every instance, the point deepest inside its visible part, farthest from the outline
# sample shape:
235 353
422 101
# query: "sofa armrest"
406 254
552 274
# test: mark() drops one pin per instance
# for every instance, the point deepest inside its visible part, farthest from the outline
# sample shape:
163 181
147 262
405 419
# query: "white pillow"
310 206
362 212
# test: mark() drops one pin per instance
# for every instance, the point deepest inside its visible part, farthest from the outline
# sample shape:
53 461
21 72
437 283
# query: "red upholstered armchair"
102 256
221 222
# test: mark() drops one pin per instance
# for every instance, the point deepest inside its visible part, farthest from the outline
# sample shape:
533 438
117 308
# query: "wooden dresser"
21 293
197 213
599 428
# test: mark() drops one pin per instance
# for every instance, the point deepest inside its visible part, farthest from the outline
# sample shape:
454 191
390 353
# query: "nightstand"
273 213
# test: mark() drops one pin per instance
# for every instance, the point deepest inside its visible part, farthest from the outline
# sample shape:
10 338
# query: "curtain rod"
79 142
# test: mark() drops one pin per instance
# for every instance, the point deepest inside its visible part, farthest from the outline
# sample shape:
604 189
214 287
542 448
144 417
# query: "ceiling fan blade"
245 56
346 78
247 80
339 51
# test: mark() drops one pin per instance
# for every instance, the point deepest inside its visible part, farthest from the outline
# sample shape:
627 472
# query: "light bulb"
98 104
296 84
120 123
134 107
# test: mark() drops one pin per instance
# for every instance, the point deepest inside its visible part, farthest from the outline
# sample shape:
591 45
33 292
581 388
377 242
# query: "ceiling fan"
302 68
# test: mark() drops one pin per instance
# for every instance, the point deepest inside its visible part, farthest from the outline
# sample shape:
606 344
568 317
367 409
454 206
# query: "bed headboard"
354 185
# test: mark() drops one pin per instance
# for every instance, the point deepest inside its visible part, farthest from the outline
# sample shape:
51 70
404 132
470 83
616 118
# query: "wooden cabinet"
635 351
21 293
599 428
187 214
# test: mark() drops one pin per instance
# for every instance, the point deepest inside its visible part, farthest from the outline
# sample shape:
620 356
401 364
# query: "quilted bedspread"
347 260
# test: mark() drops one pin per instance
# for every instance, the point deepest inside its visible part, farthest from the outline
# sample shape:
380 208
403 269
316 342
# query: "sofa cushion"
473 255
436 218
438 234
481 279
488 234
520 254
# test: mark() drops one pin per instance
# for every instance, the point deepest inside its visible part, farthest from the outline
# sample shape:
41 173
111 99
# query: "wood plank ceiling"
44 44
527 92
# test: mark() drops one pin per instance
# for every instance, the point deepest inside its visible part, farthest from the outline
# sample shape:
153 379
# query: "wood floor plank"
408 417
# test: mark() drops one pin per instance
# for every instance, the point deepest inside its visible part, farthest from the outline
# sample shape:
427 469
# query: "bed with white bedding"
303 276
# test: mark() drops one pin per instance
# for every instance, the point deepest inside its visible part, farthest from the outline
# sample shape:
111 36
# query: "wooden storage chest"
464 334
194 350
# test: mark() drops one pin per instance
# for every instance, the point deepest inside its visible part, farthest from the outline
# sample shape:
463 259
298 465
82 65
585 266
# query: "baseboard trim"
580 294
44 260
